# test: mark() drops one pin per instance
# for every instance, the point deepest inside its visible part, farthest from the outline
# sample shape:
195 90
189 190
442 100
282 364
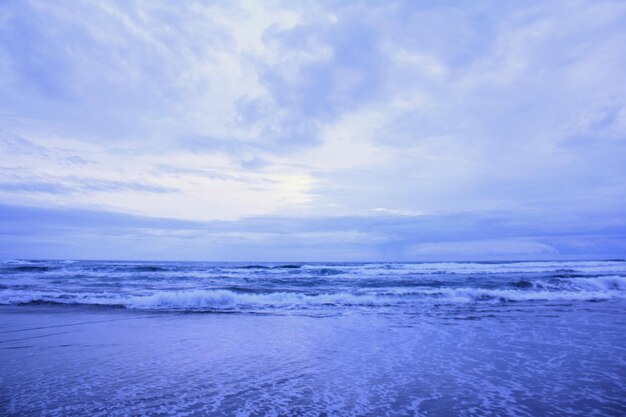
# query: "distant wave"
470 268
286 266
348 270
125 268
468 295
208 286
32 268
207 300
433 268
252 267
598 283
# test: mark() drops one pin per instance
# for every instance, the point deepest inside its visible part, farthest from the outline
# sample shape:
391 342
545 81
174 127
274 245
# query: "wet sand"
113 362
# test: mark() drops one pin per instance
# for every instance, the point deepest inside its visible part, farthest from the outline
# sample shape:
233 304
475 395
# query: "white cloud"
514 249
315 109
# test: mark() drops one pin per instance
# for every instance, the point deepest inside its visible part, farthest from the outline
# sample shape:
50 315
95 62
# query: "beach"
487 356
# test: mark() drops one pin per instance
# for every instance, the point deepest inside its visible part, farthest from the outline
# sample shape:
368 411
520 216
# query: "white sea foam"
465 268
599 283
216 299
505 267
199 300
194 299
614 282
478 294
206 286
16 262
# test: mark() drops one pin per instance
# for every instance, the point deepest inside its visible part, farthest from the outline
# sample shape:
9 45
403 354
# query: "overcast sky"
378 130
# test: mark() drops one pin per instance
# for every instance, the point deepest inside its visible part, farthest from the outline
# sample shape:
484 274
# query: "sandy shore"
102 361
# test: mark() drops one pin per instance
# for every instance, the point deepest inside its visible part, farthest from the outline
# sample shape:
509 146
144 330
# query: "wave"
352 271
213 300
124 268
16 262
288 266
470 268
32 268
224 299
252 267
263 267
197 300
615 282
599 283
452 269
468 295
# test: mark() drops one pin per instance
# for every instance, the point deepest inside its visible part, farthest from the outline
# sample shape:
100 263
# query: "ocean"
112 338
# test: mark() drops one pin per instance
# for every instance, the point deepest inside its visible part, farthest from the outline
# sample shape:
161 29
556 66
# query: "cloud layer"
334 120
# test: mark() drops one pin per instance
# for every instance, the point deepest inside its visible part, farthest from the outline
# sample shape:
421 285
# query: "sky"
313 130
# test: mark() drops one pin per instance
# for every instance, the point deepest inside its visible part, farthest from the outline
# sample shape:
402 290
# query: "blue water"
315 339
299 288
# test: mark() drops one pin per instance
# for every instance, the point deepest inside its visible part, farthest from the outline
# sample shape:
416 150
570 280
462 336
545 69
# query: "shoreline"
92 361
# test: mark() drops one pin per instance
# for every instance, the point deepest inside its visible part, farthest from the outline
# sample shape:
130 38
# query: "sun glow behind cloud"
339 115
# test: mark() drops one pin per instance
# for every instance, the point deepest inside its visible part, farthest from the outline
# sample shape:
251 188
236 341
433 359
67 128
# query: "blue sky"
224 130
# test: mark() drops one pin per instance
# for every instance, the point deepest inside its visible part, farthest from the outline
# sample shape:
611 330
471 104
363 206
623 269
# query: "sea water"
313 339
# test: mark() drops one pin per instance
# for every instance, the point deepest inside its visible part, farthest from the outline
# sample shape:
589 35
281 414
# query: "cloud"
114 70
20 145
358 114
507 249
73 233
69 185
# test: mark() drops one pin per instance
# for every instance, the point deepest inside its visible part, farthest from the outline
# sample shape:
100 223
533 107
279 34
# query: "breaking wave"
202 286
210 300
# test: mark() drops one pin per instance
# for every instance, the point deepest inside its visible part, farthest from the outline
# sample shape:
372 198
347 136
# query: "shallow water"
474 339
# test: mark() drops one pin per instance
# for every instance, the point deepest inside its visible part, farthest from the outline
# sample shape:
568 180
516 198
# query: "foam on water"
219 299
240 287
